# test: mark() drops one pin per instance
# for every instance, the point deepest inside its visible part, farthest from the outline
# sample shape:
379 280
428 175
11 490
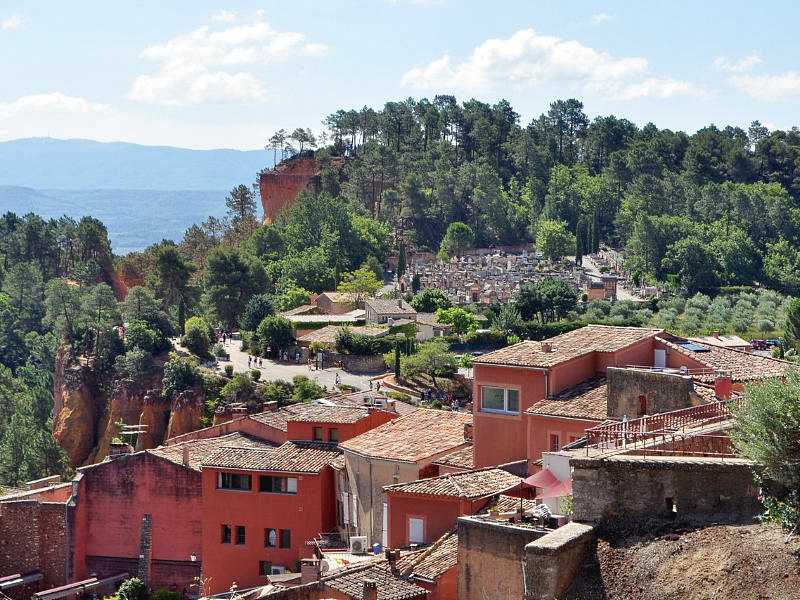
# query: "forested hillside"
718 207
700 213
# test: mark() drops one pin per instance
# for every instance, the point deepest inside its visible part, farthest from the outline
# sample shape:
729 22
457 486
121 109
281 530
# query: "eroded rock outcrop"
87 412
185 412
74 407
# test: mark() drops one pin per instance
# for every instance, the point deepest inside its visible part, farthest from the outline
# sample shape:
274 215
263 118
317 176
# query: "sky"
221 74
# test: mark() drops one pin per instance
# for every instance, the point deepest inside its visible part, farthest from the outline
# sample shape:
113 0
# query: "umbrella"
562 488
542 479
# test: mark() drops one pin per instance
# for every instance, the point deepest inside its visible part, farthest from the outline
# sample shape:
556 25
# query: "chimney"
117 449
723 385
391 557
400 303
270 406
546 347
309 570
185 454
370 590
468 432
391 405
238 412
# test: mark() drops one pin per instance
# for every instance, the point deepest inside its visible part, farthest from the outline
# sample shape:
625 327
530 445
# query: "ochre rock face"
186 411
154 416
279 187
73 408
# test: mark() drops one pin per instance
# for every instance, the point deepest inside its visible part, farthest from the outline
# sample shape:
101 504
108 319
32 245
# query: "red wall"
307 514
540 427
114 496
438 512
445 588
499 438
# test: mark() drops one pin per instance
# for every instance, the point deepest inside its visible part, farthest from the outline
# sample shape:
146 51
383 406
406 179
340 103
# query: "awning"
562 488
542 479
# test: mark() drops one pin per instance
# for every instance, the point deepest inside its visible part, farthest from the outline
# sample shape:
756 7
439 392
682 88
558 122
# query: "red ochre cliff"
86 411
280 186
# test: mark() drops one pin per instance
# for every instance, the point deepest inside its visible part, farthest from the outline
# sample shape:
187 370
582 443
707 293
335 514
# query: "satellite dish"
324 566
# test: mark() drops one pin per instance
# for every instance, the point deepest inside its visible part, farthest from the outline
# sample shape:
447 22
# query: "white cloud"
54 102
527 59
224 16
208 65
602 17
772 88
738 66
12 22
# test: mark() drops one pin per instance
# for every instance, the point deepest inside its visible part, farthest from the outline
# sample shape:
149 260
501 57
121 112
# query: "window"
416 531
233 481
333 435
642 408
270 538
317 434
264 568
277 485
499 400
555 442
286 538
240 535
225 536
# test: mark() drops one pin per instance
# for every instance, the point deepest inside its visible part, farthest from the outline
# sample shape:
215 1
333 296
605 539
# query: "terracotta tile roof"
743 366
433 562
199 450
340 297
467 485
510 504
291 457
311 413
725 341
385 306
305 309
587 400
463 458
422 434
327 334
564 347
350 582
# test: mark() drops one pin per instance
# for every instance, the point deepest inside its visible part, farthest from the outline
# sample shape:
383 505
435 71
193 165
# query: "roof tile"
565 347
291 457
199 450
424 433
587 400
467 485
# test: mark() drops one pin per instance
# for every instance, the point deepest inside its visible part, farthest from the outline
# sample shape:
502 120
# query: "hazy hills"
142 193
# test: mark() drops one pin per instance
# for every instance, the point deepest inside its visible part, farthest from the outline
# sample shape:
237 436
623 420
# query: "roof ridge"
428 551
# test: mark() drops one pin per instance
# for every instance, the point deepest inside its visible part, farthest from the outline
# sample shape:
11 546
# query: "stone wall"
33 537
490 558
357 364
663 392
553 561
623 489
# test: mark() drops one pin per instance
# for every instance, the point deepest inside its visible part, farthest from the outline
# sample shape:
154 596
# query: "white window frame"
421 522
504 410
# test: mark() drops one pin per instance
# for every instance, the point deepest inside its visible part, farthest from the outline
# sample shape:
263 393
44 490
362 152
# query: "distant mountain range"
142 193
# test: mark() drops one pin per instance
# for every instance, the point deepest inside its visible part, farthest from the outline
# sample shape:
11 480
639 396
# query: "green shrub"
258 308
140 335
133 589
241 388
274 332
219 351
255 374
165 594
305 389
133 365
399 396
228 371
358 344
180 374
198 336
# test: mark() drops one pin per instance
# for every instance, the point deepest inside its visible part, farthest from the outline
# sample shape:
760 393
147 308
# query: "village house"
336 303
428 327
399 451
383 310
261 508
422 511
539 396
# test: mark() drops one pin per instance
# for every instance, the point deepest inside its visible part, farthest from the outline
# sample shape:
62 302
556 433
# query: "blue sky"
204 74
